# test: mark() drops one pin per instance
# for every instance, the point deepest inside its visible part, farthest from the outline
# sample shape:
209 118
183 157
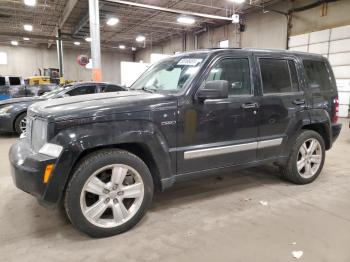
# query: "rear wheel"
306 159
21 124
109 193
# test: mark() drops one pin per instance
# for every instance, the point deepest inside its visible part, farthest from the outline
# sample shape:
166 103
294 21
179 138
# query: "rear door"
282 99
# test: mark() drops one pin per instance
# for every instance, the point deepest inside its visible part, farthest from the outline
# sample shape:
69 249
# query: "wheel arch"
140 150
323 130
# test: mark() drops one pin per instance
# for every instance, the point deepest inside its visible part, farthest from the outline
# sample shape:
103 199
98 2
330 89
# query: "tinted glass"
110 88
317 74
14 81
276 77
2 81
236 72
293 76
82 90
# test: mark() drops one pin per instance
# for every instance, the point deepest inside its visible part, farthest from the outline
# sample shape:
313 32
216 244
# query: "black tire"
18 123
290 171
82 173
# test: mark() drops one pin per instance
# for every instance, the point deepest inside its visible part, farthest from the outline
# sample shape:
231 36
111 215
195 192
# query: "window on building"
278 76
223 44
3 58
236 72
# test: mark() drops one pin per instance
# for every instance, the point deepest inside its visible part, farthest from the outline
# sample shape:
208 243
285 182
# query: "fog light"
47 174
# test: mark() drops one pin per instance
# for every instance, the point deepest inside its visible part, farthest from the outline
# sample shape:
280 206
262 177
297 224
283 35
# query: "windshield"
54 93
170 74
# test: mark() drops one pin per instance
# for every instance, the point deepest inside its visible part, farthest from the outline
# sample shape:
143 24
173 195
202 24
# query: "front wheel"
109 193
306 159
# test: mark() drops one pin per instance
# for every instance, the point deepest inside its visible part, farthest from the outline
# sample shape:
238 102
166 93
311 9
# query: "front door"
217 133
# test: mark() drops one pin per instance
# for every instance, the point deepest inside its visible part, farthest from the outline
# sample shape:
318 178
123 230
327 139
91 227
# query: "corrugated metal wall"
335 45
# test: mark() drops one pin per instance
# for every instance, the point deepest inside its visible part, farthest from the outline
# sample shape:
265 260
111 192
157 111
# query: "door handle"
250 105
299 102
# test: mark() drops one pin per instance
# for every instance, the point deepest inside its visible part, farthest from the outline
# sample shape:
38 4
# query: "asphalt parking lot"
249 215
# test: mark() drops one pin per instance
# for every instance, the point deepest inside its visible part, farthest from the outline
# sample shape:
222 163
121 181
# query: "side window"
293 76
14 81
110 88
317 74
236 72
278 75
2 81
82 90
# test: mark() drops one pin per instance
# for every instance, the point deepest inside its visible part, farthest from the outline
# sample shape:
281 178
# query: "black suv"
103 156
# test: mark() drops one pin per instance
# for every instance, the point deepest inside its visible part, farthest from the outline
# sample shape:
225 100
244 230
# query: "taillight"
336 110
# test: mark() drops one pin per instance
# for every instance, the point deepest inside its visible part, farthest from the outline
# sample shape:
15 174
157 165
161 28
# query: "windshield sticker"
190 61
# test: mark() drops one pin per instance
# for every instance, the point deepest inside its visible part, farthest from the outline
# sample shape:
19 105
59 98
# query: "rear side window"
317 74
278 75
2 81
14 81
82 90
110 88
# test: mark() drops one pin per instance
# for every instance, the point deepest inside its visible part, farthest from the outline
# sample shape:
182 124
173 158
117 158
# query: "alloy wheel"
23 125
309 158
112 195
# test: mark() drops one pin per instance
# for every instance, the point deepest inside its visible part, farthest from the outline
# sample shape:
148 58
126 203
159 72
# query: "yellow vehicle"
51 76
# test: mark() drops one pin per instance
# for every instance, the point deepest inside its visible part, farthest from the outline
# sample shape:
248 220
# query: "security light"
14 43
237 1
122 46
77 43
28 27
112 21
140 38
26 38
186 20
30 2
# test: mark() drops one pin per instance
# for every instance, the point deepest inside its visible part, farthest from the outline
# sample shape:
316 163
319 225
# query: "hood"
20 100
95 105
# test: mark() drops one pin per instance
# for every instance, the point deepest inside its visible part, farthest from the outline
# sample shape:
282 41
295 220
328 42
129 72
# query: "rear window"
317 74
2 81
14 81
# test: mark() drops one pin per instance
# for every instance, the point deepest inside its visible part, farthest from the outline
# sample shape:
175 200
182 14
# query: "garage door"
335 45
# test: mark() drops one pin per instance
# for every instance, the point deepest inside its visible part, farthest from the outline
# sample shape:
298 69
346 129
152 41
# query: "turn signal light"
47 174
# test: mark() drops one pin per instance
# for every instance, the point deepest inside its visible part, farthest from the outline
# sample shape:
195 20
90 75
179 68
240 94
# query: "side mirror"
214 90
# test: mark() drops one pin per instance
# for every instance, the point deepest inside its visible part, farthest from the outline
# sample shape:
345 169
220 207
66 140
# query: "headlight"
38 134
4 110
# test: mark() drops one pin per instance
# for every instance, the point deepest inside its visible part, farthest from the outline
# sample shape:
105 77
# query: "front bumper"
336 128
28 169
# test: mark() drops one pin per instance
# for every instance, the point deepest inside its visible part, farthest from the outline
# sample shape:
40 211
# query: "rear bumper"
336 128
27 169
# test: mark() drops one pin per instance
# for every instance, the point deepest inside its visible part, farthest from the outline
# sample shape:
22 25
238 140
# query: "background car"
13 112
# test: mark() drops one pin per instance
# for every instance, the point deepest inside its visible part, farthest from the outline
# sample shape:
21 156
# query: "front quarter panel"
84 138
